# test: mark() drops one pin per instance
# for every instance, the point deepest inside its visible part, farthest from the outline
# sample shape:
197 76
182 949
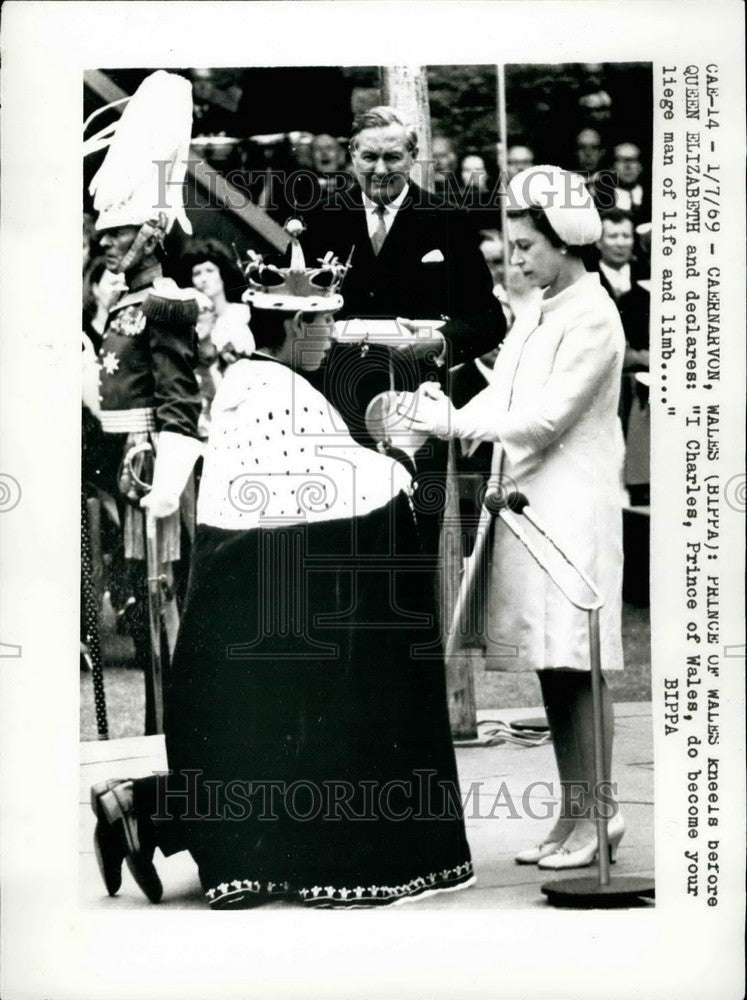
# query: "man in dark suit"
630 194
626 282
414 258
621 275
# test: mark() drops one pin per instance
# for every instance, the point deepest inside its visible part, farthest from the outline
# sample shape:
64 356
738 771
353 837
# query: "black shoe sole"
109 853
113 845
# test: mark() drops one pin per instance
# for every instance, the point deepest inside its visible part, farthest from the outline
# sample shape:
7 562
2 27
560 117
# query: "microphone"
521 506
505 507
496 502
517 502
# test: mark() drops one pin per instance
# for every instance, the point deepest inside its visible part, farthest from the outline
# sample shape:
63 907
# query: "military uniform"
148 355
147 382
149 395
147 385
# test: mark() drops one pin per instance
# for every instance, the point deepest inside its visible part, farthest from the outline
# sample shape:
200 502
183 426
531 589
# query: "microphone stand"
475 559
467 583
578 892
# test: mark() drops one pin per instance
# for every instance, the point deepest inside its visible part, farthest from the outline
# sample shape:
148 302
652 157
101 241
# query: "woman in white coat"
552 411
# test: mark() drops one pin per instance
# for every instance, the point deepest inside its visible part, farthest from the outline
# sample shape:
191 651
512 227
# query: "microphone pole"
476 557
583 892
519 503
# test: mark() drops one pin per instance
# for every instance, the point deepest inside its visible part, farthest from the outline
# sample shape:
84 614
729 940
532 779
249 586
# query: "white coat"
552 408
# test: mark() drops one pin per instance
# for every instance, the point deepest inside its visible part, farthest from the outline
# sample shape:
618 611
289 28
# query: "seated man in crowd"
444 166
518 158
630 194
328 161
589 153
478 195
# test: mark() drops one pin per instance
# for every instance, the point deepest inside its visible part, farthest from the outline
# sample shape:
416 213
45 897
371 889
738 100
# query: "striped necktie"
379 234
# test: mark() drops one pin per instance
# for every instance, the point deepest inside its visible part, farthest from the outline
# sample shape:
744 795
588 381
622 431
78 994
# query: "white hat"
564 198
143 173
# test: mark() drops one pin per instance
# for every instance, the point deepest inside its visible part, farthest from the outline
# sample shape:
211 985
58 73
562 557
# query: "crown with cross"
312 289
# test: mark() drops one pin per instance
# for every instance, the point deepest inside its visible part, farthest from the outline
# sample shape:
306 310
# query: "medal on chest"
128 322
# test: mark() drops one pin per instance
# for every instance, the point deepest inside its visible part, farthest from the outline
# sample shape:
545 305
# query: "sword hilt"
131 482
162 584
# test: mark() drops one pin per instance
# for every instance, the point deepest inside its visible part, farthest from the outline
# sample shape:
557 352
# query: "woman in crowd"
207 266
551 408
223 333
305 713
101 289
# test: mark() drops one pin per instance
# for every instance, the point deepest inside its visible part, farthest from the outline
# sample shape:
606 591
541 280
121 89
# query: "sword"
154 617
160 598
163 615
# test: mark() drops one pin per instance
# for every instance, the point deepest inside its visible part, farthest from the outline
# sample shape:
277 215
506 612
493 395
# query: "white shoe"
586 855
532 855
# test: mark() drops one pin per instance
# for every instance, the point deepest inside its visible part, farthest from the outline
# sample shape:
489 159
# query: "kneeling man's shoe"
117 839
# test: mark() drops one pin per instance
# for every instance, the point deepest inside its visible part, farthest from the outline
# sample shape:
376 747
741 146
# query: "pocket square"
433 257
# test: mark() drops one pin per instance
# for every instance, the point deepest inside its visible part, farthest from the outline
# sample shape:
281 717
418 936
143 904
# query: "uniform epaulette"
129 299
163 308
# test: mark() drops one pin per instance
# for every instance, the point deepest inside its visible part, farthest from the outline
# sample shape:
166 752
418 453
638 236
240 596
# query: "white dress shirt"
619 278
390 211
629 199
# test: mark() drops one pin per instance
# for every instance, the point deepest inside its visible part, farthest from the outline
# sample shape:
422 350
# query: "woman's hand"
204 304
228 354
205 322
431 411
108 290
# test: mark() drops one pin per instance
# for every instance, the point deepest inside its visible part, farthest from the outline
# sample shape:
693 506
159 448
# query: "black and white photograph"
354 579
383 538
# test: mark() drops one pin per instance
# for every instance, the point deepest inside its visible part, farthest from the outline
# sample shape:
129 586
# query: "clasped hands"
428 410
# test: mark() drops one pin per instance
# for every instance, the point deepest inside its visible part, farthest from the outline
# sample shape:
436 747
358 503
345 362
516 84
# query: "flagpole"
502 160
